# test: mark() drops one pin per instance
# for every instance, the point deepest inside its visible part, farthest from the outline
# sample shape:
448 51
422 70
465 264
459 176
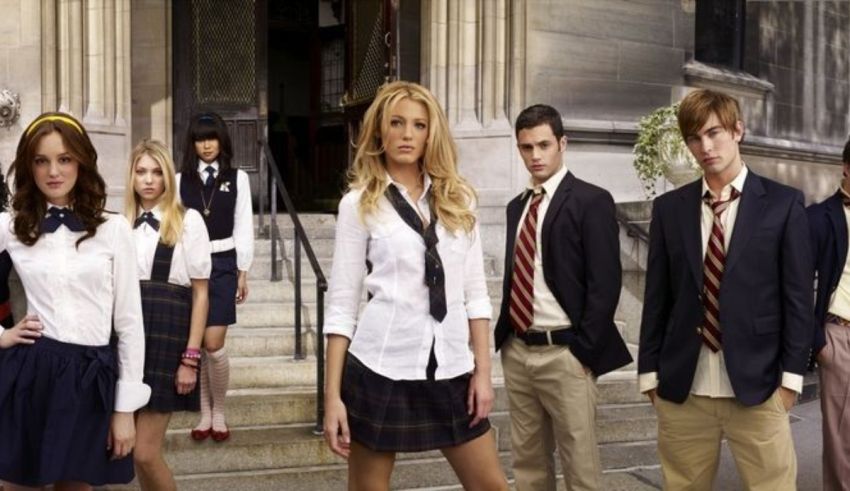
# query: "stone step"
267 341
256 448
317 225
271 371
260 407
408 474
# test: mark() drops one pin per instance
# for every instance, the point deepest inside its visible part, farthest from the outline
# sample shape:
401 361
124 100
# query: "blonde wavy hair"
171 225
453 198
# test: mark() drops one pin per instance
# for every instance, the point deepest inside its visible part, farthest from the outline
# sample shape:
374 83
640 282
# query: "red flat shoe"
220 436
201 435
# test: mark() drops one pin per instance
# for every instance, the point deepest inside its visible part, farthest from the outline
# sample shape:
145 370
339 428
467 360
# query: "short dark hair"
534 116
846 155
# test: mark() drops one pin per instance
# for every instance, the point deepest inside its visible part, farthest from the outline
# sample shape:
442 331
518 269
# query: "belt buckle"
549 337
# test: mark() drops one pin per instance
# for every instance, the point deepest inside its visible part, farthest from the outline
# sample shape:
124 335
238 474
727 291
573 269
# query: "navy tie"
147 217
61 216
210 170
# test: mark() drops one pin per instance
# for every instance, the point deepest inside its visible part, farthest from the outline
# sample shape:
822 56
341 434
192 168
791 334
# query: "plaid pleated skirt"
167 312
222 289
56 403
388 415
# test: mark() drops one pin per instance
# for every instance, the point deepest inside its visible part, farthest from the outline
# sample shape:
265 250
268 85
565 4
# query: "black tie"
210 170
147 217
61 216
435 278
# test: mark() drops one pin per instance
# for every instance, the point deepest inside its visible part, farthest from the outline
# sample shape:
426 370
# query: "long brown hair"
88 196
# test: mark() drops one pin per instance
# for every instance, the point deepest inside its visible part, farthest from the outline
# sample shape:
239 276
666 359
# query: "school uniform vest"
221 199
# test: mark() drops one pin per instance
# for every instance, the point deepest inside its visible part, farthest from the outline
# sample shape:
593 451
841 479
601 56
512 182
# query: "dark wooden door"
219 65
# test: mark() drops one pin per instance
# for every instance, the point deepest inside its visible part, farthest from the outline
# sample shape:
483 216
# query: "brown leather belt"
834 319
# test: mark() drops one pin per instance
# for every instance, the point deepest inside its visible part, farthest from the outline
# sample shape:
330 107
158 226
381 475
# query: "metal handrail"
632 230
276 185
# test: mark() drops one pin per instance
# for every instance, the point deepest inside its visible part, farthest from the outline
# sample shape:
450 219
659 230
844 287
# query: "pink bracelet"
191 354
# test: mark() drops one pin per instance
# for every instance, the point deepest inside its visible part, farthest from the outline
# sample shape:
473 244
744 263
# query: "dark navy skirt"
56 402
388 415
222 289
167 311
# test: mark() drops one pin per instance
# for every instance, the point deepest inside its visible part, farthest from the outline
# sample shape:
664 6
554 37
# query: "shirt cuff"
481 309
131 396
793 381
340 330
647 381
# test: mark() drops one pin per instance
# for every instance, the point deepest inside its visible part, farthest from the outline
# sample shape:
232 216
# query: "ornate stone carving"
10 108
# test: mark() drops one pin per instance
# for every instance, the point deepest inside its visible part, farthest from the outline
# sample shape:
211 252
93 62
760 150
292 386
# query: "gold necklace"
212 195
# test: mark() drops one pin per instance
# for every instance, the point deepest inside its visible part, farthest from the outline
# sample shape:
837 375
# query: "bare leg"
477 464
368 470
151 468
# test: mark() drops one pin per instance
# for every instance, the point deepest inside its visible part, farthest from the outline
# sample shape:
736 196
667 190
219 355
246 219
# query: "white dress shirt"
710 377
191 259
548 314
81 293
243 217
394 332
839 303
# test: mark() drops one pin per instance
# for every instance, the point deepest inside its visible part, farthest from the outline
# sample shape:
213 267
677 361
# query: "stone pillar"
85 66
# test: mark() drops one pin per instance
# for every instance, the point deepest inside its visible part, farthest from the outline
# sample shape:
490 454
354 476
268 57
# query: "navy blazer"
765 296
581 266
828 227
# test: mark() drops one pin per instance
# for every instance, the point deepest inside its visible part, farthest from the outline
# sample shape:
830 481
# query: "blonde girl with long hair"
173 251
401 377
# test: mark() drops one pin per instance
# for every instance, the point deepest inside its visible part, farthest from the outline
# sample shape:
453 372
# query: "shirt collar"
156 210
426 185
202 166
54 205
726 192
551 184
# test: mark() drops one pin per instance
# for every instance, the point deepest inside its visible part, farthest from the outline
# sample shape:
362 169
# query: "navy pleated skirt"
388 415
56 402
222 289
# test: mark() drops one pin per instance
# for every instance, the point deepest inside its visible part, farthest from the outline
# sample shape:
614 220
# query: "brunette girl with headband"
174 264
401 376
209 184
66 397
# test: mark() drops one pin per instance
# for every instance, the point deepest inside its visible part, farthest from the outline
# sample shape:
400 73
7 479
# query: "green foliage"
659 142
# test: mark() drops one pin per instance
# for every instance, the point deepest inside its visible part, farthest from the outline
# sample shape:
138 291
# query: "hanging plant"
660 151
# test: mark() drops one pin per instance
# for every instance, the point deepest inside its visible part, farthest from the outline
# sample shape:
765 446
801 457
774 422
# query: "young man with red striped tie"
556 328
727 315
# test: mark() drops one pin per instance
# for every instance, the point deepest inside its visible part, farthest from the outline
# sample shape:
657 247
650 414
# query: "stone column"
86 71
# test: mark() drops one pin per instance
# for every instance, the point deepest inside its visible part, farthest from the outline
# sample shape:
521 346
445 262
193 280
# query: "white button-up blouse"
395 331
191 259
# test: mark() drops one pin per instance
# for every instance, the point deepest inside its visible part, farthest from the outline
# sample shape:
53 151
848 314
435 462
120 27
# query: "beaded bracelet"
191 354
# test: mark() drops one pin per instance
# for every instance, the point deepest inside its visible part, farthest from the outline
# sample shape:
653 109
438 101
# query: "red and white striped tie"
714 264
521 307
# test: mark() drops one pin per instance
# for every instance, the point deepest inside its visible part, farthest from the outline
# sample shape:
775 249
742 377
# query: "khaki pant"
553 403
834 385
759 437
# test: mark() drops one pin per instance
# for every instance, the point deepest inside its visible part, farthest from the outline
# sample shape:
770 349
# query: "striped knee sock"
219 379
206 407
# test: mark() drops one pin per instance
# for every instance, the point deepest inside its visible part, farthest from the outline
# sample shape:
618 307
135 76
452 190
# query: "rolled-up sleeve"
477 300
131 393
348 270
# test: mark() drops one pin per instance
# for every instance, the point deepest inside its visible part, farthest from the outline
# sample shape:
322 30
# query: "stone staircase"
272 405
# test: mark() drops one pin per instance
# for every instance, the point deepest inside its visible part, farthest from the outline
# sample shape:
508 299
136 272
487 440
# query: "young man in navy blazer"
828 223
727 316
556 327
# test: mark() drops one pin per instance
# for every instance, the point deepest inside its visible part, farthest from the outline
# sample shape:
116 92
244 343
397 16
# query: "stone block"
649 63
568 55
610 99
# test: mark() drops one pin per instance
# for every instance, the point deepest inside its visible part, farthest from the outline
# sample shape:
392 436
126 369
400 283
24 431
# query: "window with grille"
223 52
720 32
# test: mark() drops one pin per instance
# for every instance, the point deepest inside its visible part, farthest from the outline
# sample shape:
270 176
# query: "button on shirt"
395 331
81 293
548 314
191 258
710 377
243 215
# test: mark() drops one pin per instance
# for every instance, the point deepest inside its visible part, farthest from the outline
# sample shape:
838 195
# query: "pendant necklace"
204 201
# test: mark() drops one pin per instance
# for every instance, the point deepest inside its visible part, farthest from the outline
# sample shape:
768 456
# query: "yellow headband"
52 117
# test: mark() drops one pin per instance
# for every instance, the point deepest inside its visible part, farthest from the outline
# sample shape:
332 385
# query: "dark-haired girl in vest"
66 396
174 264
222 195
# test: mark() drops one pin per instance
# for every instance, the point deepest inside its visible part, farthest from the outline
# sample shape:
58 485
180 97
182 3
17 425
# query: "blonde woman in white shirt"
66 396
173 258
402 377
